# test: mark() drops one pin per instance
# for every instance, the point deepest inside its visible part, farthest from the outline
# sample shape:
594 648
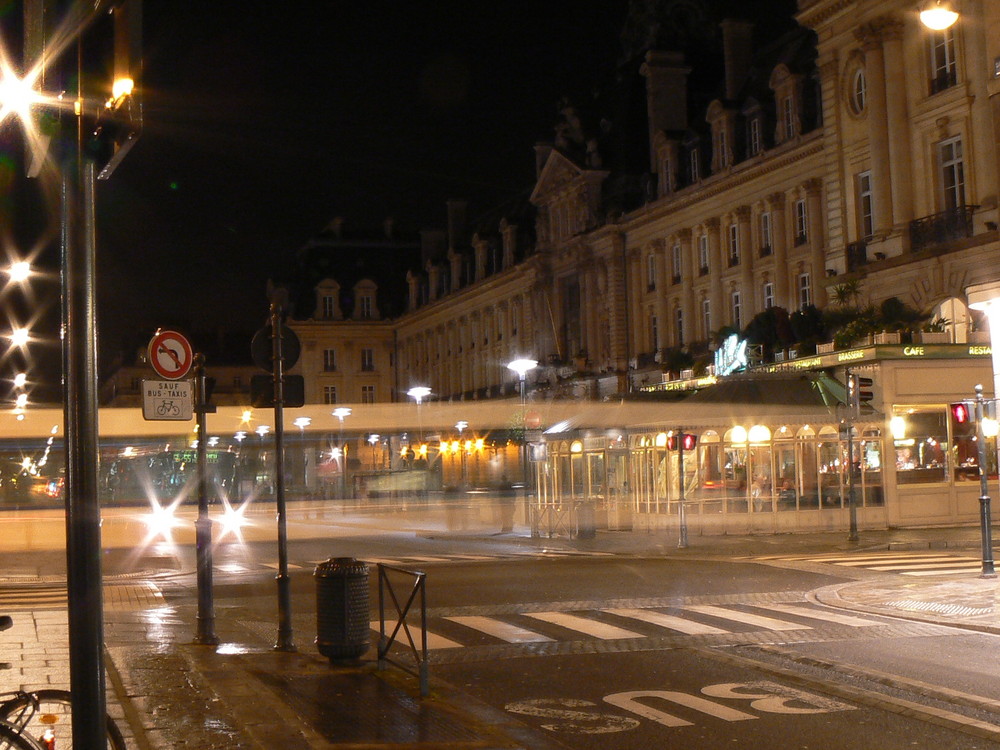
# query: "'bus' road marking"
671 622
583 625
434 641
502 630
745 617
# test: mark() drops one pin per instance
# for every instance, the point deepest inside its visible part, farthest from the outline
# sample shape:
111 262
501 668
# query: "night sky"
265 120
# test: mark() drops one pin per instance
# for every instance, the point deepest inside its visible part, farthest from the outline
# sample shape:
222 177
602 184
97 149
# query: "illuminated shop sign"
731 356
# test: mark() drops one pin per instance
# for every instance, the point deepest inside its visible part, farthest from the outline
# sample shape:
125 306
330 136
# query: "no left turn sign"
170 354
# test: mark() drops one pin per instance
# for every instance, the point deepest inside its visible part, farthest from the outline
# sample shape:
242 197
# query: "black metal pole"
852 504
203 526
284 642
85 602
985 523
682 538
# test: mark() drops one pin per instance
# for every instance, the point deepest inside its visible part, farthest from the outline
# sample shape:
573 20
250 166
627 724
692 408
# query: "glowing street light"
19 271
938 15
419 393
341 413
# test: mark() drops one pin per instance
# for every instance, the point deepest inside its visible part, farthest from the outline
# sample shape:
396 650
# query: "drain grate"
938 608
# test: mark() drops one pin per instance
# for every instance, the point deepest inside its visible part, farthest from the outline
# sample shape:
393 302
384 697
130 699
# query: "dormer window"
329 306
365 303
788 117
693 166
753 136
721 147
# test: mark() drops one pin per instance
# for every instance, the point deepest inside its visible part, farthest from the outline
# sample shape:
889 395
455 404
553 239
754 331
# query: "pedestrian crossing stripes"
919 564
117 596
405 561
621 623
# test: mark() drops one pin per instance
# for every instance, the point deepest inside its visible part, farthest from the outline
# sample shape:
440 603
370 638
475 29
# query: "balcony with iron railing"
936 229
857 255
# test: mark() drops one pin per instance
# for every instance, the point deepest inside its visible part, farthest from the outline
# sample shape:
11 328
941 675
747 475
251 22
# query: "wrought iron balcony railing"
946 226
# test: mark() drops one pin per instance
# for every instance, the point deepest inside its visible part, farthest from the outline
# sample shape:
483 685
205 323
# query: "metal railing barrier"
385 642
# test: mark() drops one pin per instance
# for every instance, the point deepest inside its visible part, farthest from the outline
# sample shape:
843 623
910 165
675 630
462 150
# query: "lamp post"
341 412
522 366
418 393
460 426
302 423
984 492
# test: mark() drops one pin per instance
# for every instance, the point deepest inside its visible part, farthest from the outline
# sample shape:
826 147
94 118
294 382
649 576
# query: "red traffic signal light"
961 412
687 442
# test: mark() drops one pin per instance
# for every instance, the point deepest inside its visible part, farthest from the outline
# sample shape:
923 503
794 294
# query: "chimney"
737 48
666 93
413 282
509 233
456 223
480 246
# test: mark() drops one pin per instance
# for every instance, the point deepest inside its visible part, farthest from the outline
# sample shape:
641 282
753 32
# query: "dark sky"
264 120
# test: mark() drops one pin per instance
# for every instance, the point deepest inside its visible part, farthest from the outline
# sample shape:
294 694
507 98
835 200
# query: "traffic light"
859 391
961 412
687 442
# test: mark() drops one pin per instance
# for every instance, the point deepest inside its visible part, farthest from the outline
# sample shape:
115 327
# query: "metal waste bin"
342 630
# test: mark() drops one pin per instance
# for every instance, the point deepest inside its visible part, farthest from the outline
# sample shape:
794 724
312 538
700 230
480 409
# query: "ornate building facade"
853 147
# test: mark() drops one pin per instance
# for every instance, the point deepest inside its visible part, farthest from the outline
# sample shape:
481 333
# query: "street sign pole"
984 493
682 539
284 642
203 526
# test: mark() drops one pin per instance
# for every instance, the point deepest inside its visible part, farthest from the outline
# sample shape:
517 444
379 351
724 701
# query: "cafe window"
920 443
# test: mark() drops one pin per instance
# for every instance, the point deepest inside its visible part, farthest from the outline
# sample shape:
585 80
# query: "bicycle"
42 719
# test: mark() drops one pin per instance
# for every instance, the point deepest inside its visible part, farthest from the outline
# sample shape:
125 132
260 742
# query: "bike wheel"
46 714
11 740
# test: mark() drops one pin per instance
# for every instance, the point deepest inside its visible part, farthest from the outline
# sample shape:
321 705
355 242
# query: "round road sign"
170 354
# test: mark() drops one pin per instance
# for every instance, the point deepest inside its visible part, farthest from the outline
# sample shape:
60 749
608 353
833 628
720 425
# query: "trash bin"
342 630
586 520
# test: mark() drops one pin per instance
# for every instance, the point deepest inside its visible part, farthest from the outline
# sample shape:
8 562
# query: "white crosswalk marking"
593 628
499 629
822 614
434 641
672 622
896 560
927 566
745 617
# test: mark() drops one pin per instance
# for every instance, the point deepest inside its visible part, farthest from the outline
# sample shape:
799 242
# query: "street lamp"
522 366
938 15
341 412
418 393
302 423
460 426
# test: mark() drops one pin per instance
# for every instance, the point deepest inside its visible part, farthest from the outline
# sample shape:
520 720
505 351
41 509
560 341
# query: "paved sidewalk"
243 695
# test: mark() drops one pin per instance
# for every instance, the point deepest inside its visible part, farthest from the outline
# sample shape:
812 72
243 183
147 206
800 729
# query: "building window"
693 158
765 234
367 360
753 136
706 317
135 384
329 307
650 272
237 383
721 146
365 309
367 394
952 173
329 360
654 332
676 253
329 394
703 254
944 72
788 116
866 215
801 222
737 304
858 92
734 245
768 294
805 290
679 327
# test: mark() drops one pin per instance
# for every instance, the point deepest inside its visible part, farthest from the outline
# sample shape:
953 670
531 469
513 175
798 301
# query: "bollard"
342 609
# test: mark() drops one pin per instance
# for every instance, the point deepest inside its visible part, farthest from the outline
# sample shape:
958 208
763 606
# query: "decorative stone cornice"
873 33
742 213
